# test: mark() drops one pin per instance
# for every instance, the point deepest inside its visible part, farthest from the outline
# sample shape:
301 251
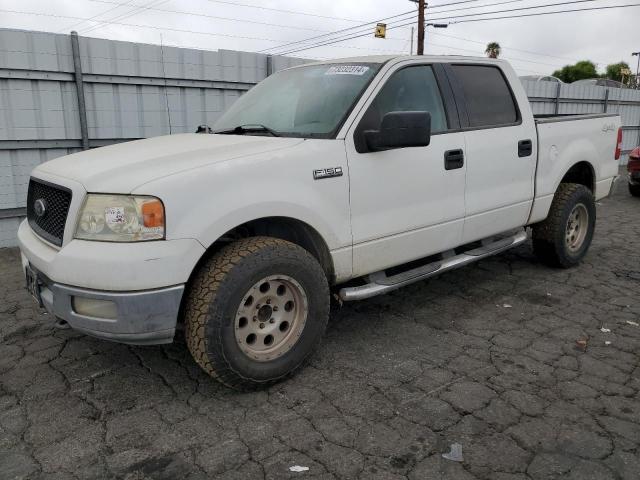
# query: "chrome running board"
380 283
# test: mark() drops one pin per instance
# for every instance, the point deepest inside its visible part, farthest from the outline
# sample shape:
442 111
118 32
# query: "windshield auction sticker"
347 70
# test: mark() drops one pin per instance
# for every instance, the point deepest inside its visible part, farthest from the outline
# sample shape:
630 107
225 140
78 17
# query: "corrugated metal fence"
133 90
557 98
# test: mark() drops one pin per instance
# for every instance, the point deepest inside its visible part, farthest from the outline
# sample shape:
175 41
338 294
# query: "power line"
550 13
296 12
118 5
431 7
216 17
477 6
505 46
367 24
244 20
329 43
153 27
50 15
357 27
478 20
119 16
260 7
531 7
353 35
515 59
129 14
536 14
302 28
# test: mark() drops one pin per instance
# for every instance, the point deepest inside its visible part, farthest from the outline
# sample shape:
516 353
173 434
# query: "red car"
633 167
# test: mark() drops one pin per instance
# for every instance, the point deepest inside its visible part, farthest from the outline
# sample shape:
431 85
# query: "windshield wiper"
247 128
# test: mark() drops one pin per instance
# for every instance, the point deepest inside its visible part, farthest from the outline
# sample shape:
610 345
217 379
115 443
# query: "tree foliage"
580 71
614 71
493 50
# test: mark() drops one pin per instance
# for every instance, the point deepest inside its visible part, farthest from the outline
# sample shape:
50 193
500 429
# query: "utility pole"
420 50
637 54
422 27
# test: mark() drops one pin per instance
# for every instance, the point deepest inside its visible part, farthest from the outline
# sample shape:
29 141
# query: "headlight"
121 218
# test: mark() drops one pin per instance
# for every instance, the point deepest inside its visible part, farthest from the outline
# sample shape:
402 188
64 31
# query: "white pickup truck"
355 176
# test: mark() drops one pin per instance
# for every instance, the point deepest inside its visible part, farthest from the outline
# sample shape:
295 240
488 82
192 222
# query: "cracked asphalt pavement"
485 356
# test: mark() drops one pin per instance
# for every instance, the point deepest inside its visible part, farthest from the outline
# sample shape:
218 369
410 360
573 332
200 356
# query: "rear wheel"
256 311
634 190
564 237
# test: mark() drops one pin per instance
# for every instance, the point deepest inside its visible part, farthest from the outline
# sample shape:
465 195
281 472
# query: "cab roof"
397 58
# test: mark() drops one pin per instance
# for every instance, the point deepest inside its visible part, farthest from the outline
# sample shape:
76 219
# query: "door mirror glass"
399 130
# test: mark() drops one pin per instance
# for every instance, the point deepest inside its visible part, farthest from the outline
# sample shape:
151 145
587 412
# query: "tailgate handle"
525 148
453 159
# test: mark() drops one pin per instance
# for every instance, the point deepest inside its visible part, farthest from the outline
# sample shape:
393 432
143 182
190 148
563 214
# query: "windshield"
308 101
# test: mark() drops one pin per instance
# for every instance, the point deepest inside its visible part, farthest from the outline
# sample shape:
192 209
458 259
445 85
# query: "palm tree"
493 50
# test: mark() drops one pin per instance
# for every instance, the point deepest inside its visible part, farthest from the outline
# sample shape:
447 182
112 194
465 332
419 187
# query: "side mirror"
400 129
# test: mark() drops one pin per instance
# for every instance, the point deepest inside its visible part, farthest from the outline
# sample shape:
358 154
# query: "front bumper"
141 318
142 283
634 177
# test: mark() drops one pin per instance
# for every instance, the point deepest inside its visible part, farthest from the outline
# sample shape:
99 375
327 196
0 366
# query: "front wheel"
256 311
634 189
563 238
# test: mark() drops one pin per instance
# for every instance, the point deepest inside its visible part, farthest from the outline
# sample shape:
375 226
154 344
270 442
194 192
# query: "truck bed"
565 139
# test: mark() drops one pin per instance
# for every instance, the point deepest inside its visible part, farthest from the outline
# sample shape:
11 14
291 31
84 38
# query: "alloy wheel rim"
271 317
577 226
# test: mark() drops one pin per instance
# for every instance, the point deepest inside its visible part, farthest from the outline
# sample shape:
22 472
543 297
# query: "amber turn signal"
153 213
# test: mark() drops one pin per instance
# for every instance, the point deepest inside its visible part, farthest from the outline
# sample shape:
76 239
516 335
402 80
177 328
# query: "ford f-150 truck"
354 177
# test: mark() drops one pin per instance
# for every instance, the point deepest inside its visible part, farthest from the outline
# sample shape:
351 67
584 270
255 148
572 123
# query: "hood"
122 167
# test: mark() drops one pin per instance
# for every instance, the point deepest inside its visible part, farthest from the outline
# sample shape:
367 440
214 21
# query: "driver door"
407 203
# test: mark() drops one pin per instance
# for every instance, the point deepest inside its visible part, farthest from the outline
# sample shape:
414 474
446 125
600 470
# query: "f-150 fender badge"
327 173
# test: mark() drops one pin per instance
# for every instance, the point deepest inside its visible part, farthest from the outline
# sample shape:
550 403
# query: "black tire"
634 190
214 297
549 236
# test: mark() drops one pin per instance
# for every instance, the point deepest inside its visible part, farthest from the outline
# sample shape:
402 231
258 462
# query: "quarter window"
411 89
488 97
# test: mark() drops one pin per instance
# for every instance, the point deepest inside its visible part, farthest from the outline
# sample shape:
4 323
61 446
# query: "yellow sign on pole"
625 71
381 30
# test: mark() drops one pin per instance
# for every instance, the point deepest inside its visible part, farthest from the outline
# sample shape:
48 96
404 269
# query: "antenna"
164 75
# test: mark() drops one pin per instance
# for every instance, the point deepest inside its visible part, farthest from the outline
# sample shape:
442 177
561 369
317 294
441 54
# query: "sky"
533 45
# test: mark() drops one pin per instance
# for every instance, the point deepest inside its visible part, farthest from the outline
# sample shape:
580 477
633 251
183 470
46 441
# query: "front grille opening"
49 218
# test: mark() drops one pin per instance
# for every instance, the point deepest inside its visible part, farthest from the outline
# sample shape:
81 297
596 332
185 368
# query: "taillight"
619 144
634 160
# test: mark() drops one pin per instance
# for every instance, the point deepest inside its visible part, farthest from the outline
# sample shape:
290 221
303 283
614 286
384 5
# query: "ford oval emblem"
40 207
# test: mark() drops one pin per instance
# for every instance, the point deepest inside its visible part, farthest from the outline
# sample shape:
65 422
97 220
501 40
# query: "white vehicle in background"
357 176
541 78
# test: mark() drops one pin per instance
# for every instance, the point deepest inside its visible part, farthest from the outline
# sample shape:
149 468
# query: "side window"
488 98
411 89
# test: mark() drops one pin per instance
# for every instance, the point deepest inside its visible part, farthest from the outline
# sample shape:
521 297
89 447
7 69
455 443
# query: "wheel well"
582 174
285 228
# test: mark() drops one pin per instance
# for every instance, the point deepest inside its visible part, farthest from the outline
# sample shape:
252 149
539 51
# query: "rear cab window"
488 98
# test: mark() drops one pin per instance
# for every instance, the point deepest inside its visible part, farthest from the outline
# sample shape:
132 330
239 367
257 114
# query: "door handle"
453 159
525 148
